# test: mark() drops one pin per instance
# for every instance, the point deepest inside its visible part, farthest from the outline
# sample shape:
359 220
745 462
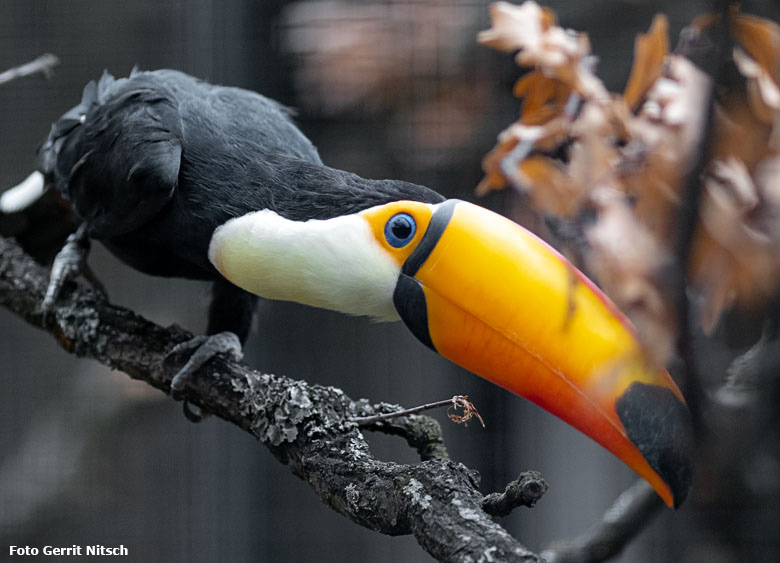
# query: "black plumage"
153 163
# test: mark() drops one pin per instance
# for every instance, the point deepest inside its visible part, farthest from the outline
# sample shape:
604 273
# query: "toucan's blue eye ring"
400 230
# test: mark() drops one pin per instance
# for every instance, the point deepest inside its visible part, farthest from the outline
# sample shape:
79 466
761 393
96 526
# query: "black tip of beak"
659 424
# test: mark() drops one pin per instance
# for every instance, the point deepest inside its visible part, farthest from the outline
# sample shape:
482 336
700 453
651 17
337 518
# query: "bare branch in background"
687 221
45 65
626 518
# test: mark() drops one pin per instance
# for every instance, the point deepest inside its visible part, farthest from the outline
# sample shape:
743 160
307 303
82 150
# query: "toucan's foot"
203 348
69 263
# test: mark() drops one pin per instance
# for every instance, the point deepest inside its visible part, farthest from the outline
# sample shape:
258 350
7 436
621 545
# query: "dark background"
385 89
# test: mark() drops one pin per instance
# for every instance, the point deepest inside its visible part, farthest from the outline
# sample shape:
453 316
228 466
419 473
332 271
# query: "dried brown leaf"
593 156
515 27
650 51
760 39
680 95
740 133
656 186
757 57
767 178
549 19
543 137
469 411
663 139
494 178
552 190
763 91
558 53
736 253
544 97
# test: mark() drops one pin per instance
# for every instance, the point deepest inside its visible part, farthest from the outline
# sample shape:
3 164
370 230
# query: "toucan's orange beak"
495 299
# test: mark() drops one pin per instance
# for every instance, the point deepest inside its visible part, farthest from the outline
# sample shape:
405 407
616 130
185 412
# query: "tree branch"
305 426
688 214
526 490
627 517
44 65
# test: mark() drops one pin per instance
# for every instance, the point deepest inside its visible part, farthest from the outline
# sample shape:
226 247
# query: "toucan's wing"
116 156
257 128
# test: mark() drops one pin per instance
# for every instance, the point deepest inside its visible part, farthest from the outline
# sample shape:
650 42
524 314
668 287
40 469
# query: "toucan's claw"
193 413
203 348
69 263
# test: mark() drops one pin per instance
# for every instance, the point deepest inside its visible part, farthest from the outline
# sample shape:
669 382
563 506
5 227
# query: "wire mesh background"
385 89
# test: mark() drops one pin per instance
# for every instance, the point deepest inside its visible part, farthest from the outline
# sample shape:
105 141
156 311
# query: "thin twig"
622 521
469 412
44 65
368 420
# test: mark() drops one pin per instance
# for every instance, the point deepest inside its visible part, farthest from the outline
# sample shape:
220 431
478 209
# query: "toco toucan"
178 177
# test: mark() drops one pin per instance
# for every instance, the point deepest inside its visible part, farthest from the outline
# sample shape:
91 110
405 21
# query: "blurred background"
384 88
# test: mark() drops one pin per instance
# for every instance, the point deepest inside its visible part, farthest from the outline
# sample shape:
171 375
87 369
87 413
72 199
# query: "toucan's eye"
400 229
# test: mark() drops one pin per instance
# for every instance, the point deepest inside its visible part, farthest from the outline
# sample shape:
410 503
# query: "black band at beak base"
409 297
409 301
439 221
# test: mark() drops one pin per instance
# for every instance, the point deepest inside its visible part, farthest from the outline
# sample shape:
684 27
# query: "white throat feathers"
332 263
